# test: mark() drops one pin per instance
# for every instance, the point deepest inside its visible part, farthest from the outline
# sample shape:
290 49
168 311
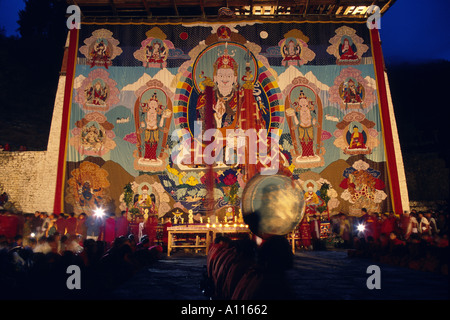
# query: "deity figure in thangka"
101 48
304 115
153 114
226 92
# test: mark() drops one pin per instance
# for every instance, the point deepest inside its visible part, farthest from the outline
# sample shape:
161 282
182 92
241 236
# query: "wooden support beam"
306 9
113 7
334 8
147 8
202 7
176 8
386 6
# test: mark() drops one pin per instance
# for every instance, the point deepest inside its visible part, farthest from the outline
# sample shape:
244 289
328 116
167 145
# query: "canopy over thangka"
237 8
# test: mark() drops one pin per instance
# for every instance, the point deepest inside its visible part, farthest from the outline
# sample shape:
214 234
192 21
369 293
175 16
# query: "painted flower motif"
192 181
229 179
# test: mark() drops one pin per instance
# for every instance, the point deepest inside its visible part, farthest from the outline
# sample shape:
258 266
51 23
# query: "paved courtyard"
316 275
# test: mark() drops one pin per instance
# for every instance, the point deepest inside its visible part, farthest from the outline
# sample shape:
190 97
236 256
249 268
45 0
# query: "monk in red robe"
346 51
71 224
108 230
122 225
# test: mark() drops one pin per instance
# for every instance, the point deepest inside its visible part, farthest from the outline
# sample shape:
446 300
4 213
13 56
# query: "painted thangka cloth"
142 92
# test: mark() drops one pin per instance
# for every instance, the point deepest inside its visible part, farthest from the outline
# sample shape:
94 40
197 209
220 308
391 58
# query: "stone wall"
23 178
29 177
439 205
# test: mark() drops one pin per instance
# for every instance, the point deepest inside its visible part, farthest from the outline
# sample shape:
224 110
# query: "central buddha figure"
225 92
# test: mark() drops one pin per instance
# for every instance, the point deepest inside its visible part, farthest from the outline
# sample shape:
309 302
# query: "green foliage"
233 193
324 196
128 194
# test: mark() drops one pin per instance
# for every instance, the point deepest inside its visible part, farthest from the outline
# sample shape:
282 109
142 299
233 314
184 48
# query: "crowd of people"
36 250
7 147
417 240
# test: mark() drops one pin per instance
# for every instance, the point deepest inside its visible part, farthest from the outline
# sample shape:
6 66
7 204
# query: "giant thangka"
144 95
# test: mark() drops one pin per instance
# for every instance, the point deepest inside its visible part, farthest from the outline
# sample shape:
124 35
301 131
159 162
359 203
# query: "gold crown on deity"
302 95
154 97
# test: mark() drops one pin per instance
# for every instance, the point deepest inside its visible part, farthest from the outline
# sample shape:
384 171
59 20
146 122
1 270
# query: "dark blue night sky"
416 31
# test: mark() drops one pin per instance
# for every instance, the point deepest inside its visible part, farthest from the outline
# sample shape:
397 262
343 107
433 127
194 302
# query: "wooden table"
188 229
210 232
227 229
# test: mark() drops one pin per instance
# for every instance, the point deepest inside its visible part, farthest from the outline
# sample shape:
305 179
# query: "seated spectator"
267 280
394 240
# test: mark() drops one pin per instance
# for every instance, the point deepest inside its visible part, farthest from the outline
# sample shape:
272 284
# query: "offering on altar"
177 216
240 217
191 217
229 216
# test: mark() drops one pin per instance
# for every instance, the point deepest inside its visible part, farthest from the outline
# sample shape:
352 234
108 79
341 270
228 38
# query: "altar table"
210 232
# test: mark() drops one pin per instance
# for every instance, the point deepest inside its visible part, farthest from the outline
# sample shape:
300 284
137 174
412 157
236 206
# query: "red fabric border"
70 72
386 121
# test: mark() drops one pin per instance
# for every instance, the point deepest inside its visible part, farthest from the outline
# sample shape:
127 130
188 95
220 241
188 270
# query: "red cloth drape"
70 71
386 121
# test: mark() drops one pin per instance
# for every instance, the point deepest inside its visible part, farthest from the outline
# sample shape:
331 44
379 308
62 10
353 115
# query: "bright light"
99 213
32 235
361 227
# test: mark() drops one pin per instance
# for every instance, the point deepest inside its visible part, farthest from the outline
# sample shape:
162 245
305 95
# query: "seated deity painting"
356 139
355 134
96 93
291 51
294 49
347 50
156 53
93 135
154 50
220 74
347 46
100 53
229 61
352 92
101 48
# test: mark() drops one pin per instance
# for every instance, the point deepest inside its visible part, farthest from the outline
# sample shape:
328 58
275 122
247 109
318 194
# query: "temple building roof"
152 10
